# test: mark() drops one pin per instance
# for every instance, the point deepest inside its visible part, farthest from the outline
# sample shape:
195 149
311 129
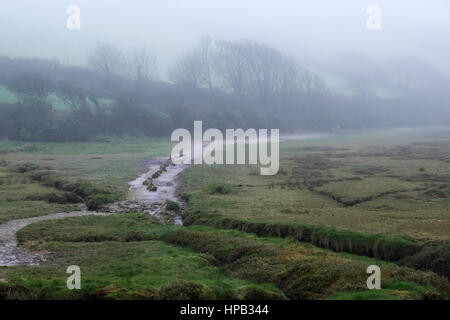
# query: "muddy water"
11 254
153 202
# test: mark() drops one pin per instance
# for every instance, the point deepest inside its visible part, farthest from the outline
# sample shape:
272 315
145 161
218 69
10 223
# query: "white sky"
308 30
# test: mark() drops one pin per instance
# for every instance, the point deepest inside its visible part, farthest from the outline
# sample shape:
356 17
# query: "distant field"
391 182
9 96
106 166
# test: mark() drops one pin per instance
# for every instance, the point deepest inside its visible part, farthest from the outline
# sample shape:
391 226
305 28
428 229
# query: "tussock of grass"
435 257
385 247
220 189
94 197
172 206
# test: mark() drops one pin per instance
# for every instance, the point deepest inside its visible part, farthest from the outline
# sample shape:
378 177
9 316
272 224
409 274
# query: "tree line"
227 84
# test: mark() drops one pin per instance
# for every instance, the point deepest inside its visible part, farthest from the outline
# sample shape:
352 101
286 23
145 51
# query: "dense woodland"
227 84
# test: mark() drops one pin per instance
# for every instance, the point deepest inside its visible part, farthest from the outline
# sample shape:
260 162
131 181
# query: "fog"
316 33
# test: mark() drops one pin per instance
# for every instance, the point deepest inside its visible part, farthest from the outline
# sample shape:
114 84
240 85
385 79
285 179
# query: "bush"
96 201
253 293
185 290
220 189
172 206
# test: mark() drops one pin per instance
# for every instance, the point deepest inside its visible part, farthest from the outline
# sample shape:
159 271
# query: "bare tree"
230 66
188 70
205 48
254 69
143 64
107 59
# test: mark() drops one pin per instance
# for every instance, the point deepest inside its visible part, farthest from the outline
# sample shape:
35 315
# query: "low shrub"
220 189
185 290
172 206
97 201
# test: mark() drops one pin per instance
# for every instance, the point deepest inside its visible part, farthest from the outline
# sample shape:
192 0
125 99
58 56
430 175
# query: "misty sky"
311 31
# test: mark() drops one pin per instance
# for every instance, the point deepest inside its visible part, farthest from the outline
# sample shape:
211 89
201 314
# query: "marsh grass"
131 256
387 182
122 256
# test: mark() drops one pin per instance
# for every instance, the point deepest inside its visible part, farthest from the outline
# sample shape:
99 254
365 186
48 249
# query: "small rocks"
156 174
150 185
133 206
155 209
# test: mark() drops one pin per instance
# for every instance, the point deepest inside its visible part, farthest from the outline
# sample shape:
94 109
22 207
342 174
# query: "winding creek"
140 200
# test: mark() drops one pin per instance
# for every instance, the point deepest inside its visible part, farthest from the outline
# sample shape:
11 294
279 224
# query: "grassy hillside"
7 96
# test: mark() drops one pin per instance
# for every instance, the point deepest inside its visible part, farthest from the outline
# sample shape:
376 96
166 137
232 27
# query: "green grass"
12 210
132 265
393 290
129 227
223 260
126 252
94 166
106 164
373 181
376 192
